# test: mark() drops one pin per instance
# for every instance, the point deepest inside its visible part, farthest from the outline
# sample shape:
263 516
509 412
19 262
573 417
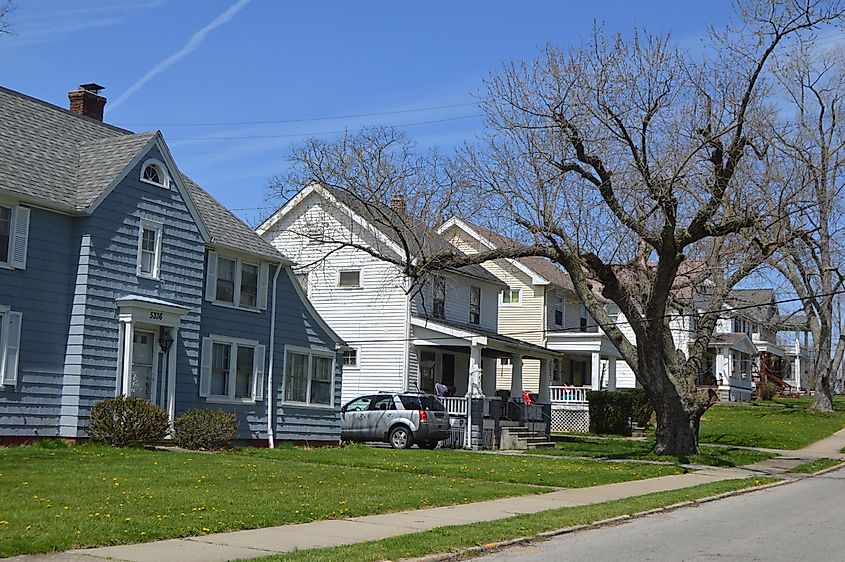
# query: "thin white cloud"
193 43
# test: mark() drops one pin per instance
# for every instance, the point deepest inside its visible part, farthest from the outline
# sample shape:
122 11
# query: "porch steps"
522 439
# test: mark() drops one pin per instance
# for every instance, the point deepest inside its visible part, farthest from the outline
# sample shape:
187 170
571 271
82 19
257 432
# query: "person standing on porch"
441 389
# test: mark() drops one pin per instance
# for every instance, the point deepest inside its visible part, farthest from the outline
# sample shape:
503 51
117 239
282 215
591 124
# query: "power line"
578 329
291 135
302 120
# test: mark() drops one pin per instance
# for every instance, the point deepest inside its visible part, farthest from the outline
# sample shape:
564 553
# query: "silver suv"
400 419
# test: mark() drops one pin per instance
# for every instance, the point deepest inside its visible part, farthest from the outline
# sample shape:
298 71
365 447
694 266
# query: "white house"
401 335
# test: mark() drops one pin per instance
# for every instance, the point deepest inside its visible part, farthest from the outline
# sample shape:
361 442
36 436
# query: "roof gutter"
270 394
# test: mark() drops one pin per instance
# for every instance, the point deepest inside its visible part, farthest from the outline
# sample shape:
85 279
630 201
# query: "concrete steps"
522 439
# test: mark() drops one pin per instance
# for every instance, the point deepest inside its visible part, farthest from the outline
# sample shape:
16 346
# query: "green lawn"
449 539
816 465
61 498
800 402
56 497
643 450
563 473
767 427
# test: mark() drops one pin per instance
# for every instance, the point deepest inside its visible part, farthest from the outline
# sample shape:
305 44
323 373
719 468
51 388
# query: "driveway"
800 521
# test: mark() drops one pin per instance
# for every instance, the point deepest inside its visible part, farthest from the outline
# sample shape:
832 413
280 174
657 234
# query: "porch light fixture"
165 340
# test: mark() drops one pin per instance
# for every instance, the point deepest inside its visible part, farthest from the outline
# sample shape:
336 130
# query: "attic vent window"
153 172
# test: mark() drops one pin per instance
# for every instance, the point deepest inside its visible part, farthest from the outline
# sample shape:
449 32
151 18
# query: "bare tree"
812 145
641 169
6 7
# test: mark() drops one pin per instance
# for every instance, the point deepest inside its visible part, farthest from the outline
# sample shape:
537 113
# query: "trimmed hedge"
610 412
204 429
127 421
641 409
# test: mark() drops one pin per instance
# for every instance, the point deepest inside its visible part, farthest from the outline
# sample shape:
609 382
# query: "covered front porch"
732 359
464 359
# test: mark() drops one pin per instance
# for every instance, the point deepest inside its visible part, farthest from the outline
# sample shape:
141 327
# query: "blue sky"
227 64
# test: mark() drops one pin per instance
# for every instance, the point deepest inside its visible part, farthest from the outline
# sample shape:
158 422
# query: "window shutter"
205 368
263 279
20 238
211 277
13 344
258 390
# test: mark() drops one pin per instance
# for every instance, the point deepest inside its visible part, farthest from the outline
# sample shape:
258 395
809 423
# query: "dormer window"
153 172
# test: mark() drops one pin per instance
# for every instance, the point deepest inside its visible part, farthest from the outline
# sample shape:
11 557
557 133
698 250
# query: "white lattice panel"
570 421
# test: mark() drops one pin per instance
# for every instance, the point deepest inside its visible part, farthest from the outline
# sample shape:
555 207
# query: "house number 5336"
156 315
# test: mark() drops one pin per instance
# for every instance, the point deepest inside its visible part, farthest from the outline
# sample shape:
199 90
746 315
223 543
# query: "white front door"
143 355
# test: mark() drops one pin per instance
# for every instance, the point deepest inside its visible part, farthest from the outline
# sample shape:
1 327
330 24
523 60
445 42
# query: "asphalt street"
800 521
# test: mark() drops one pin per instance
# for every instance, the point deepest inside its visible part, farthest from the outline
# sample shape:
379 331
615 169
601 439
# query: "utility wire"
578 329
302 120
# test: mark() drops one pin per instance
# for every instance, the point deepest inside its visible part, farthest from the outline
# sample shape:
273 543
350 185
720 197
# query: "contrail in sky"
193 43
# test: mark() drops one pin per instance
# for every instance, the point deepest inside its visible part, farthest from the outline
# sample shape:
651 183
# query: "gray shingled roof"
754 303
66 161
420 238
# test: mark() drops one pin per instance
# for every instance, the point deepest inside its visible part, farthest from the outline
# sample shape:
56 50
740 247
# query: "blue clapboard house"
121 276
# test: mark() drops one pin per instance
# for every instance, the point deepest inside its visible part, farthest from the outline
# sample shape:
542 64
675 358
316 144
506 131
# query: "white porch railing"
455 405
568 394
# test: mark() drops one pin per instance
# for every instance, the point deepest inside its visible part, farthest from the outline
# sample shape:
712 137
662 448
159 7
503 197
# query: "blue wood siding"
43 292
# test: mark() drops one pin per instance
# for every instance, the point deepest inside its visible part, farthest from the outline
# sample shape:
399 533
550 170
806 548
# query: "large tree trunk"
677 428
823 395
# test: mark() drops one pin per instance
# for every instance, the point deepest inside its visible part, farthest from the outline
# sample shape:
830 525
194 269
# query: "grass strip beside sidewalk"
767 427
815 466
456 538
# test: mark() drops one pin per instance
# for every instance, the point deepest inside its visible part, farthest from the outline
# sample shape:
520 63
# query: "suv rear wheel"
400 437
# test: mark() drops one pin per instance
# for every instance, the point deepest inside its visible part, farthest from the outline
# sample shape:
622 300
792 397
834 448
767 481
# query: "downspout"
270 394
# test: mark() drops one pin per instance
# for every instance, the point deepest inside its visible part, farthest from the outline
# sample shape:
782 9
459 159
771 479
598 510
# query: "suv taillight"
423 416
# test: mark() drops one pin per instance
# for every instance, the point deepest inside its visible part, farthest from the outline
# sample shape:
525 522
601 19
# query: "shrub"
204 429
610 412
768 391
641 410
127 421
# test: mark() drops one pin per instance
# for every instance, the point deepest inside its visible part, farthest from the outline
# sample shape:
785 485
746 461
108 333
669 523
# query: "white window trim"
162 172
558 298
16 237
239 262
310 353
233 343
511 290
480 293
357 366
159 230
360 284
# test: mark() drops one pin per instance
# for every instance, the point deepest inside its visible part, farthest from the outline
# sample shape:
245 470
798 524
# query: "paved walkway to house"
336 532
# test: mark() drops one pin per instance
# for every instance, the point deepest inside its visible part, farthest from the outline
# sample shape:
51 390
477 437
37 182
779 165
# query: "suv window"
359 404
429 403
383 403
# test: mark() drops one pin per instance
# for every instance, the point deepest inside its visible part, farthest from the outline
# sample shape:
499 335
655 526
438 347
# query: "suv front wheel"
400 437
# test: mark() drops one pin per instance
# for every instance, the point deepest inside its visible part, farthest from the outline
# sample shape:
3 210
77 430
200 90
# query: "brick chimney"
397 203
86 100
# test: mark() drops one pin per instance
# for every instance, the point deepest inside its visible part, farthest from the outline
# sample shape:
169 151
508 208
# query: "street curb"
492 547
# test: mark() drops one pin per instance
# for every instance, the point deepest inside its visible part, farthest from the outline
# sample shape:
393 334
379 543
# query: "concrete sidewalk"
829 447
319 534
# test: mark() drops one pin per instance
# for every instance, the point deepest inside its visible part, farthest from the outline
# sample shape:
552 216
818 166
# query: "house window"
149 250
583 319
226 280
510 296
153 172
349 279
234 282
558 310
475 305
350 358
302 279
14 234
249 285
439 297
309 377
232 369
503 361
5 232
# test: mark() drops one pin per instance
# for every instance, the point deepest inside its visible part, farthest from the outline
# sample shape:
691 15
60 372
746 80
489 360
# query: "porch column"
516 377
611 373
474 386
126 361
488 376
545 380
171 376
595 378
796 368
